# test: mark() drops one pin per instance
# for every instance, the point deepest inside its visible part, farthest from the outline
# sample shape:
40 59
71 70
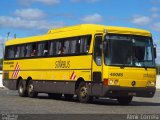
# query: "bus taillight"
105 82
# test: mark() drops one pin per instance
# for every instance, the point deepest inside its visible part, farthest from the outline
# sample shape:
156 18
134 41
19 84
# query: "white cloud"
95 18
28 19
46 2
154 9
17 22
89 1
29 13
156 26
141 20
2 39
155 12
155 15
155 2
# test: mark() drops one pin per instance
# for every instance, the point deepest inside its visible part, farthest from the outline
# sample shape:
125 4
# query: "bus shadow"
137 103
107 102
133 103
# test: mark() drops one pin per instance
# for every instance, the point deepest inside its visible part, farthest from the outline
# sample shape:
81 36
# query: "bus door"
97 66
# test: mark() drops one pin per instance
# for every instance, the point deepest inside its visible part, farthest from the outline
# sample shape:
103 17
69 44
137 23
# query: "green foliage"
1 60
158 68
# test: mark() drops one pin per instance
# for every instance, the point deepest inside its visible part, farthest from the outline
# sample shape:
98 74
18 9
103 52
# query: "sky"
35 17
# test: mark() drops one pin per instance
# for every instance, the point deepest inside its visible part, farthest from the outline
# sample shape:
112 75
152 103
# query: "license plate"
132 93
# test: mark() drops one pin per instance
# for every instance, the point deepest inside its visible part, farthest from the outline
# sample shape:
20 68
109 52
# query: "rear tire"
30 90
83 94
125 100
21 89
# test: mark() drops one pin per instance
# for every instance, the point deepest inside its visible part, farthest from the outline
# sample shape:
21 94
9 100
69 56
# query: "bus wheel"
83 93
21 89
54 96
68 96
125 100
30 90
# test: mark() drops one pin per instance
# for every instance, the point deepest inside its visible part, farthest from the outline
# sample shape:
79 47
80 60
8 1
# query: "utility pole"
15 36
3 43
8 35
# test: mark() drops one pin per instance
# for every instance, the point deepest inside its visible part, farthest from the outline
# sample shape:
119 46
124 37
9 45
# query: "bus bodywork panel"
129 81
63 69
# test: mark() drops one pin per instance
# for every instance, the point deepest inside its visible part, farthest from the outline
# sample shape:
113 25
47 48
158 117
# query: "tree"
158 68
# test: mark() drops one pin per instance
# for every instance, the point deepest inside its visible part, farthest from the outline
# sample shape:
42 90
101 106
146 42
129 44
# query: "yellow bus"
86 60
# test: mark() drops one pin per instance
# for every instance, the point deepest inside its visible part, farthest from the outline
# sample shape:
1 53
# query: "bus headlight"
110 82
113 82
116 82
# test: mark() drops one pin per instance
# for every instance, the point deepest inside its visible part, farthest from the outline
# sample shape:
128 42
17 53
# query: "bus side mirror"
155 53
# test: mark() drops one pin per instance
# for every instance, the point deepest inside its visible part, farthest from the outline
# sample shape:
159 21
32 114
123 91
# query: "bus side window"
73 46
85 44
10 52
52 48
6 53
34 50
40 49
98 50
82 44
58 47
17 52
46 49
22 51
66 47
28 50
106 52
78 44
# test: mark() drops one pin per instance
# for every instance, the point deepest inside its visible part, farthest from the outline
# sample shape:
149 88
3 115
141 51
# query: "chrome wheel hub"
83 92
30 88
21 88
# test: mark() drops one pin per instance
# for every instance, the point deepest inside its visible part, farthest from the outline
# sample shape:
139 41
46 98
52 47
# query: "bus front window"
128 51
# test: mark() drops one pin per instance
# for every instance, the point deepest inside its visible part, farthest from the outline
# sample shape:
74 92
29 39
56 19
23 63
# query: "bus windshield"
127 50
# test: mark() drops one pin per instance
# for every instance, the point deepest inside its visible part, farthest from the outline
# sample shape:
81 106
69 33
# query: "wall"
158 82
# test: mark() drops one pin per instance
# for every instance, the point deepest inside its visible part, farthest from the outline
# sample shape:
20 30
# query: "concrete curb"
1 84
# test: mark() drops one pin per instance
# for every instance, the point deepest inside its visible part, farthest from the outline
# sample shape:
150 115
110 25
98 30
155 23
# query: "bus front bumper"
116 91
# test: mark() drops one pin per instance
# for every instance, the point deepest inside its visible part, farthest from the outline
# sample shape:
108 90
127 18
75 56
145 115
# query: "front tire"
83 94
125 100
21 89
30 90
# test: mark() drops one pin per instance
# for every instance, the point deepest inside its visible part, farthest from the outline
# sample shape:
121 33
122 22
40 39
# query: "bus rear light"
105 82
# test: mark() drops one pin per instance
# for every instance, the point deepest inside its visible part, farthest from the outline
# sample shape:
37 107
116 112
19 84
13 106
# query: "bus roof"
78 30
